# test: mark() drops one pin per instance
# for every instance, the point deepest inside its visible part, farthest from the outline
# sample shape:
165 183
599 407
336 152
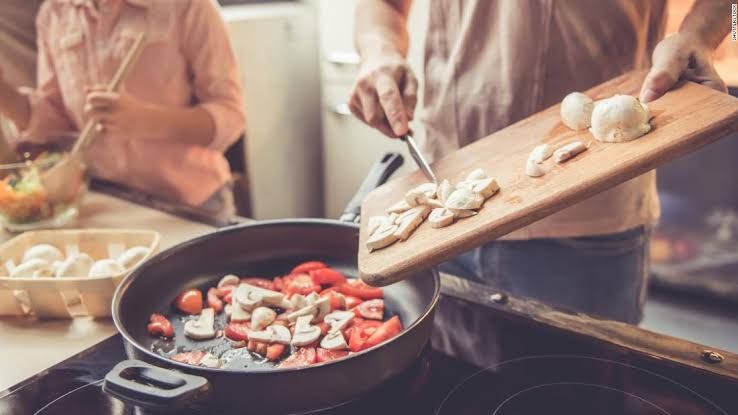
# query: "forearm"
192 125
381 27
14 105
709 20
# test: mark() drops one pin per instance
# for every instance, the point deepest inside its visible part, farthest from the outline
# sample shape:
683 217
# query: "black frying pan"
266 249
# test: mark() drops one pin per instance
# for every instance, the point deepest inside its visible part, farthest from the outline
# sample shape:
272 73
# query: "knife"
418 157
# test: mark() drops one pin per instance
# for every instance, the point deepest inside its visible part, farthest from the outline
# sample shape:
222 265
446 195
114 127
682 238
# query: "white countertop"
29 345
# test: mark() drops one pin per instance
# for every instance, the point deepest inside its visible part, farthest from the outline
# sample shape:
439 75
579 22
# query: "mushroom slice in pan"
203 328
410 220
398 207
304 332
237 312
339 320
334 340
251 296
307 311
228 280
382 237
298 301
273 334
262 317
441 217
464 198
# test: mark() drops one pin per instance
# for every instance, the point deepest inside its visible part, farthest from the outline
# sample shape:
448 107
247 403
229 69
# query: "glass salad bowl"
26 202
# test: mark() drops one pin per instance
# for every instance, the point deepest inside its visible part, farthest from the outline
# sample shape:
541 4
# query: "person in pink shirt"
177 112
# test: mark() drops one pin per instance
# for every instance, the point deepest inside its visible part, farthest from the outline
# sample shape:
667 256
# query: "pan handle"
152 387
378 175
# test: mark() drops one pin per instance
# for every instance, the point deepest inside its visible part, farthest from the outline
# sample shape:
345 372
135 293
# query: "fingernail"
648 95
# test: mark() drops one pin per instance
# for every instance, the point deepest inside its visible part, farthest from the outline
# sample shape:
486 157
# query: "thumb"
667 67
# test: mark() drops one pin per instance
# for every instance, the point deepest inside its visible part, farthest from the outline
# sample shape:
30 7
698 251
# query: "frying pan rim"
123 286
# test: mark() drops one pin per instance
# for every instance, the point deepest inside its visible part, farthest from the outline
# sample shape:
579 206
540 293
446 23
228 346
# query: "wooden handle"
124 68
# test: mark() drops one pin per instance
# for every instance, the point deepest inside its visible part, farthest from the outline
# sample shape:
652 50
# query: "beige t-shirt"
490 63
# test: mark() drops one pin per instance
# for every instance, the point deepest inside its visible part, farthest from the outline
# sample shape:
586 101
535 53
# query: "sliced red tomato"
225 290
275 351
213 301
237 331
324 355
352 301
386 331
257 347
372 309
228 298
306 267
300 284
338 300
189 301
278 283
361 333
191 358
358 288
327 276
304 356
259 282
160 326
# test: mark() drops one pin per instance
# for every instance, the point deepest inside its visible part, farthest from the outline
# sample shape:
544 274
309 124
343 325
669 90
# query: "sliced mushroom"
462 213
444 190
334 340
272 334
382 237
410 220
375 222
434 203
262 317
541 153
569 151
339 320
464 198
485 187
298 301
476 174
534 169
312 298
203 328
421 194
309 310
251 296
304 332
228 310
324 307
441 217
210 361
238 313
228 280
28 268
398 207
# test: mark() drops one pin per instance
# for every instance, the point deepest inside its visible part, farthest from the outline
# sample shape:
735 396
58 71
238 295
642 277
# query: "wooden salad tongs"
62 179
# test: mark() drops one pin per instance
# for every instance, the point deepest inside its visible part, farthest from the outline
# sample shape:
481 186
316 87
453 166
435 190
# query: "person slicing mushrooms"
179 109
491 63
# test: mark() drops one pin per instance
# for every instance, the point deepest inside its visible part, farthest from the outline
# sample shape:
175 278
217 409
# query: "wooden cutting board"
684 120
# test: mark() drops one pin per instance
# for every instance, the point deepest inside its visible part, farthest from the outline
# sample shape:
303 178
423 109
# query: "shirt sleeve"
216 85
48 114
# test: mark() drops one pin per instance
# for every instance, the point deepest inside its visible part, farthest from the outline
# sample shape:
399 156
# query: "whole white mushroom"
132 256
576 111
75 266
105 268
620 118
33 268
46 252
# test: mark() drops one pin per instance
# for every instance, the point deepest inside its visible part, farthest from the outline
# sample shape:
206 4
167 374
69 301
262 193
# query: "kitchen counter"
30 346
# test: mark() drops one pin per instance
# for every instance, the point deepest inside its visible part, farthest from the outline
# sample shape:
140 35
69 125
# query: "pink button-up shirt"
186 61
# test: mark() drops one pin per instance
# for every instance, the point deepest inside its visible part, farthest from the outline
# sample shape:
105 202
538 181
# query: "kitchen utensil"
43 296
55 180
412 148
685 119
264 248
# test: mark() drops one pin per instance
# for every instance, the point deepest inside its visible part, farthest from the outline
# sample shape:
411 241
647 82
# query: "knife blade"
418 157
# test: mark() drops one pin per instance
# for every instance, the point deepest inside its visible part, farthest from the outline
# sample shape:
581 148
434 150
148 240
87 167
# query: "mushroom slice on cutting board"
398 207
441 217
541 153
463 213
334 340
421 194
262 317
464 198
410 220
203 328
375 222
444 190
569 151
534 169
382 237
305 333
476 174
229 280
485 187
272 334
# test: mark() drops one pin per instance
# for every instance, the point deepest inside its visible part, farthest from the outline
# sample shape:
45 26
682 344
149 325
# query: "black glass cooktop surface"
481 361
